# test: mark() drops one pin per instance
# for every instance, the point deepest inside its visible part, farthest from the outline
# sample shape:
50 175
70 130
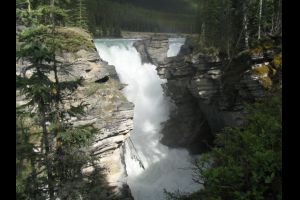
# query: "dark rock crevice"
209 92
102 80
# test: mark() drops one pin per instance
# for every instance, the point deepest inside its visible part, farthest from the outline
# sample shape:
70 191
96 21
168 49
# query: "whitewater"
151 166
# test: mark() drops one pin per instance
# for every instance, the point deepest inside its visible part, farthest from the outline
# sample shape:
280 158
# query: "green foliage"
181 196
81 15
246 162
72 41
48 14
50 151
77 136
232 26
25 17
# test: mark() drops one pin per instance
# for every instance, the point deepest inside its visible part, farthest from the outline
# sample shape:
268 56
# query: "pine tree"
81 15
246 162
232 26
259 19
58 158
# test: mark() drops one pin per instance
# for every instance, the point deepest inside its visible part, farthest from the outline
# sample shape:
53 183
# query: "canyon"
205 92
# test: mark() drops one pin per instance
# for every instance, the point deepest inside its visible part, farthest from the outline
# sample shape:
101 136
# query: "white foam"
164 167
174 46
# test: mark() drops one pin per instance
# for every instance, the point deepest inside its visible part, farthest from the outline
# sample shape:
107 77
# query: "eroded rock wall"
209 92
107 108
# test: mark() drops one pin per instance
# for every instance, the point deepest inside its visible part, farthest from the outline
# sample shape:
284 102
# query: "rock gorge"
209 92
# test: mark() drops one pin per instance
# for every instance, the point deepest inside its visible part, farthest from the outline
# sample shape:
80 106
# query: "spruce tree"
81 19
56 160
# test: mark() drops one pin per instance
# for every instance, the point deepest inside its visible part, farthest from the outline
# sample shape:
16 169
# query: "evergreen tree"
246 162
48 167
232 26
81 15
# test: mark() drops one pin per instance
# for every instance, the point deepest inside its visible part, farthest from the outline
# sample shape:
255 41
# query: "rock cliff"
209 92
108 109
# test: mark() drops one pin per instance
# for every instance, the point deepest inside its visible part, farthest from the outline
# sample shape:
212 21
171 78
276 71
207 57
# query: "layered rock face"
153 49
209 93
111 113
186 120
108 109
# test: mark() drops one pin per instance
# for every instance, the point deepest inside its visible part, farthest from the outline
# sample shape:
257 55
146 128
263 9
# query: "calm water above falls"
163 167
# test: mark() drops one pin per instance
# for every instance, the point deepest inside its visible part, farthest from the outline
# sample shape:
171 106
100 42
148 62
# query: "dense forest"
108 17
232 26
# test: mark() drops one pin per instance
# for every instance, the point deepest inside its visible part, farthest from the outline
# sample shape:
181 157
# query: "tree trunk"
52 2
34 177
259 18
47 153
80 13
29 5
273 17
245 23
279 20
203 32
25 135
46 143
57 102
228 49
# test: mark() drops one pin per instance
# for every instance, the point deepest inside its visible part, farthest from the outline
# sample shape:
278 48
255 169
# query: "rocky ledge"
209 92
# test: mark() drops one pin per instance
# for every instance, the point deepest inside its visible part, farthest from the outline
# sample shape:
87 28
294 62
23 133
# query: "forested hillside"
232 26
107 18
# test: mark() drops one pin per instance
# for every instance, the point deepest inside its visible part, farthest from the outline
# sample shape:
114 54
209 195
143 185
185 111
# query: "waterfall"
151 166
174 46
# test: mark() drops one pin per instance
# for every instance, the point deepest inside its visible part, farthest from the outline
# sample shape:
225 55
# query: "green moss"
268 45
262 46
211 51
72 39
263 69
256 50
277 61
266 82
274 71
